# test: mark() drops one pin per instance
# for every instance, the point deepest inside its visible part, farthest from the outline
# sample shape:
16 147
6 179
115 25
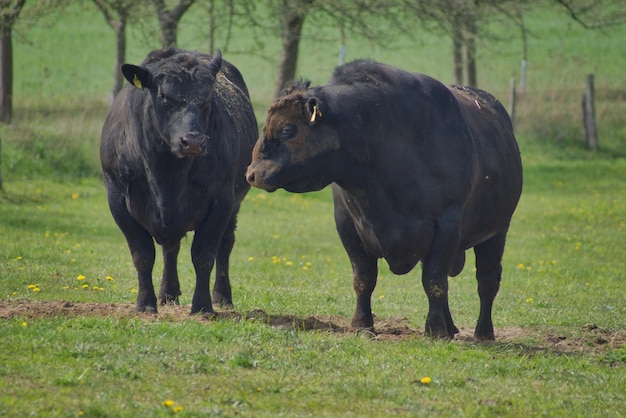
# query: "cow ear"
313 110
216 63
139 77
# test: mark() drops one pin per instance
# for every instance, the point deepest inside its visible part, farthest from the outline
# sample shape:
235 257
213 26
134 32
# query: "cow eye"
288 132
163 97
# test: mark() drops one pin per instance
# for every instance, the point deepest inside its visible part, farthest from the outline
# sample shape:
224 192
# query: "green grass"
562 272
559 317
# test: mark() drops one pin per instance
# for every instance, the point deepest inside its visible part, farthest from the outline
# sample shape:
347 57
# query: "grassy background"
564 265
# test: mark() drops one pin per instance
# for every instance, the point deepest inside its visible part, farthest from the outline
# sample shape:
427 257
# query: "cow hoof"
202 311
439 333
168 300
225 306
367 333
147 309
485 337
204 315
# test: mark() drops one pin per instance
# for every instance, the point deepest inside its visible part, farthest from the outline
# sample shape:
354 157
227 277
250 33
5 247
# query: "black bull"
419 171
174 150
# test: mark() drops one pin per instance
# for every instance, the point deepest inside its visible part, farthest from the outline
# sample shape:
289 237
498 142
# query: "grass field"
73 346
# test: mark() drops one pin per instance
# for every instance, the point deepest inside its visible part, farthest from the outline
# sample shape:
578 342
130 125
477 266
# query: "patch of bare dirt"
591 339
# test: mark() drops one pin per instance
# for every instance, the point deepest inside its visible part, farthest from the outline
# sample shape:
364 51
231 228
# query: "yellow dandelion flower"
289 263
381 297
109 278
24 324
85 286
36 289
75 196
47 234
133 290
80 277
520 266
168 403
177 409
425 380
33 286
18 258
250 258
529 300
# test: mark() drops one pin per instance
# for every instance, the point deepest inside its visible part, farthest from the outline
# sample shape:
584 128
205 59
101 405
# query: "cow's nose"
192 144
250 176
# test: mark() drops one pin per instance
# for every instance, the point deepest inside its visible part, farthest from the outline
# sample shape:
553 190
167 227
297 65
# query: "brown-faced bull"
174 150
419 171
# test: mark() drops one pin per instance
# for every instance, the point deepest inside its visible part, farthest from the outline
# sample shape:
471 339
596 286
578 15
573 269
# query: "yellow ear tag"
136 81
315 114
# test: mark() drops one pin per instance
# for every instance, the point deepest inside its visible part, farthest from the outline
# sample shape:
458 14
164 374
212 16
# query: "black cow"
174 151
419 171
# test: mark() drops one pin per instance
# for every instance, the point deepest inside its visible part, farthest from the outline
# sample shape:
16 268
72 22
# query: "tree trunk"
211 26
292 29
457 55
6 75
168 20
470 51
168 32
6 84
120 55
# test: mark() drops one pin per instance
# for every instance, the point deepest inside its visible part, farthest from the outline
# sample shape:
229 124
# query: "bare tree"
286 18
292 14
220 14
460 20
169 19
596 14
9 12
117 14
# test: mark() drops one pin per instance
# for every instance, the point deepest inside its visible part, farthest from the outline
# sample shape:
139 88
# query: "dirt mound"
590 339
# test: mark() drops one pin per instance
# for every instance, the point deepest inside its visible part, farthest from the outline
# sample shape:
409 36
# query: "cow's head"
180 86
297 144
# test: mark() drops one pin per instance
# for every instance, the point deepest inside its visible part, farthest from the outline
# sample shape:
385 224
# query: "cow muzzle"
257 175
191 144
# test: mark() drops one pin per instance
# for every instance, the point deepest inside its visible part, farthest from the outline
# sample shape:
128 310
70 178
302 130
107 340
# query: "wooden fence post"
589 114
512 100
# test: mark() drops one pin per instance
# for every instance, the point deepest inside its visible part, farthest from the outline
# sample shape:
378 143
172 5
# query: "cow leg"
222 293
206 240
364 269
170 285
488 274
364 277
141 247
435 277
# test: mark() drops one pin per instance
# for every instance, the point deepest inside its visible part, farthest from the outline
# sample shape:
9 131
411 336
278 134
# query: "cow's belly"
402 243
169 221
